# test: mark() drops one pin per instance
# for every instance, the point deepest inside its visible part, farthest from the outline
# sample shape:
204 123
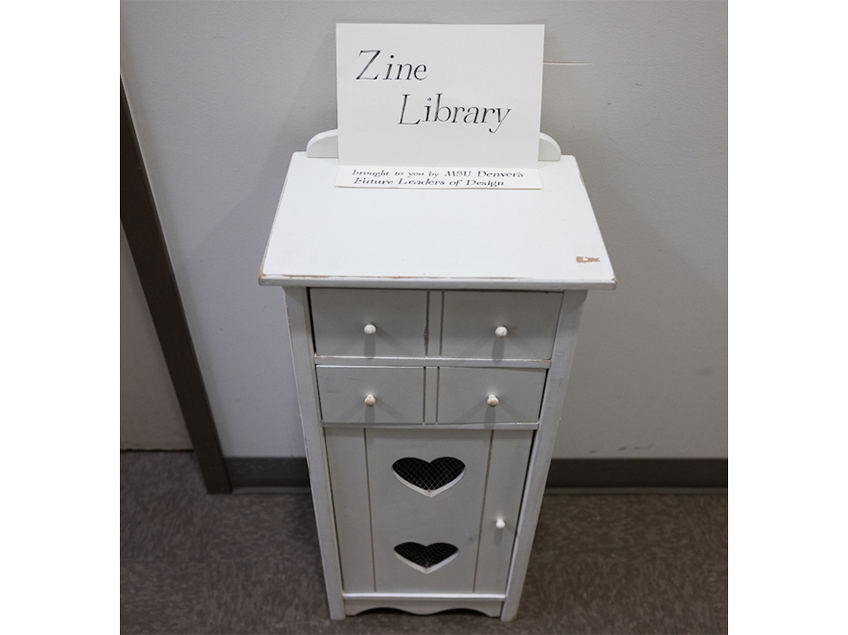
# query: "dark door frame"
147 245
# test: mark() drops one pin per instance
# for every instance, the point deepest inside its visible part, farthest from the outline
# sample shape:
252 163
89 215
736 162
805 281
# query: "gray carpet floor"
198 563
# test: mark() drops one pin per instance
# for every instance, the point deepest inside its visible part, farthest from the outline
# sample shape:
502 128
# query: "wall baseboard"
268 472
564 473
579 473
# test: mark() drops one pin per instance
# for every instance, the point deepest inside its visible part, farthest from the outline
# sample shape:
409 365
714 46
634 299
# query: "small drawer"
368 394
500 325
369 322
490 395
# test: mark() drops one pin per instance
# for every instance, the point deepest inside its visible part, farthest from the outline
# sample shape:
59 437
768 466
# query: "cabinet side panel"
316 450
349 483
507 469
543 447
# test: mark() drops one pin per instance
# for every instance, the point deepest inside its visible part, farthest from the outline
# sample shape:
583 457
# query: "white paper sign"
440 98
438 178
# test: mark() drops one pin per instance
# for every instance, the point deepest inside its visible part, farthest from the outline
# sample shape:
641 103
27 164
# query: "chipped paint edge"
411 282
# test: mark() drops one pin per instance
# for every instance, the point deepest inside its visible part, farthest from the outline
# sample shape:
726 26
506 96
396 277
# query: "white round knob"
501 331
499 523
370 329
370 400
492 401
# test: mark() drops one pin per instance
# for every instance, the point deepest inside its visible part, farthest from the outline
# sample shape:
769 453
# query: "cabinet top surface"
506 239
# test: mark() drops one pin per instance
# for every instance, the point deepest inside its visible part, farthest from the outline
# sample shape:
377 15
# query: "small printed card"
438 178
439 106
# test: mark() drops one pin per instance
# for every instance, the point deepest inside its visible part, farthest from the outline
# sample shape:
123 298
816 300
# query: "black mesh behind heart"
429 476
426 556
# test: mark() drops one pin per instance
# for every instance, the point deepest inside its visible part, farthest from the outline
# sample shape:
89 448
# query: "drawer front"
472 320
398 394
340 318
465 395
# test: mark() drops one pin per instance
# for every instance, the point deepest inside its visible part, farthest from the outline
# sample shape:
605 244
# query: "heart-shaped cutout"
429 478
426 559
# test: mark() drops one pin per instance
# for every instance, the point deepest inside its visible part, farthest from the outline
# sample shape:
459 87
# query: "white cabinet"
431 375
426 504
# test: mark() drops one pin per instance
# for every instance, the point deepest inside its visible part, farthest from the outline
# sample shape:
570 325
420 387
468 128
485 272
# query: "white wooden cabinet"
432 334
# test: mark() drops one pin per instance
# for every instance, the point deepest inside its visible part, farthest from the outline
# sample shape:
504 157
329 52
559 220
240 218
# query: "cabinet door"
436 499
473 321
425 543
465 395
397 321
508 461
371 394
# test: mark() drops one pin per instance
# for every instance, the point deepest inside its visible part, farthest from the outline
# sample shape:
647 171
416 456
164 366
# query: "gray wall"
223 92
